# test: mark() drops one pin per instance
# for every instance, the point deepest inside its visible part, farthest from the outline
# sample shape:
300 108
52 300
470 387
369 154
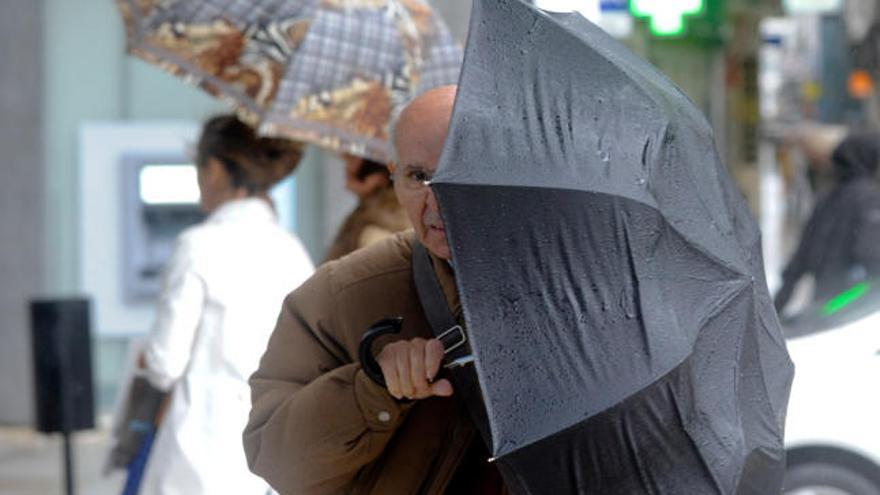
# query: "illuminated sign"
666 17
611 15
812 6
168 184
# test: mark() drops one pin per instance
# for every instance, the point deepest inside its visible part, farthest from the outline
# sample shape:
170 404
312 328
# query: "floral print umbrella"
327 72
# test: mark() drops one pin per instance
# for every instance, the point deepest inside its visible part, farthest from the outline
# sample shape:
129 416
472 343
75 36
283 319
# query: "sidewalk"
32 463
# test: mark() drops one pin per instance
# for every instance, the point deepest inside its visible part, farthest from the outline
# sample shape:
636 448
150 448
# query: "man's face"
419 139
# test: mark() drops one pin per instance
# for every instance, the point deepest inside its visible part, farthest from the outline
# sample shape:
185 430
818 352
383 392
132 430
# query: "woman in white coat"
221 295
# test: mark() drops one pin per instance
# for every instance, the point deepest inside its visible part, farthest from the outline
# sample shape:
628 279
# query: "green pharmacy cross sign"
666 17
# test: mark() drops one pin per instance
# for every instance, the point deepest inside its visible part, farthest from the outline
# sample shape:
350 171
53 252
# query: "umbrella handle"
365 350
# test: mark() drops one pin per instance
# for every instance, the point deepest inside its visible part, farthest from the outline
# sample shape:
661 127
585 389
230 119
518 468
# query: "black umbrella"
610 273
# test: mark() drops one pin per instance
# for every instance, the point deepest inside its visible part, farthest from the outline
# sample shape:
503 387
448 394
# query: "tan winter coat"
318 424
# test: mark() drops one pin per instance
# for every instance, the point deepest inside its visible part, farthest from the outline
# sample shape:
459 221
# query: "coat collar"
446 277
247 209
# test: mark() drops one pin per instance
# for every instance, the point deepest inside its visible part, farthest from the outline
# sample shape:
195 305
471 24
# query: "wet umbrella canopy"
610 274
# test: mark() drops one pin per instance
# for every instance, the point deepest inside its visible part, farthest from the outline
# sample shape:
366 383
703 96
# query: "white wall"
21 205
457 13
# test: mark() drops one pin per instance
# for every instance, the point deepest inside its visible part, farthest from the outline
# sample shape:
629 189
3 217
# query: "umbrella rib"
196 76
699 247
682 421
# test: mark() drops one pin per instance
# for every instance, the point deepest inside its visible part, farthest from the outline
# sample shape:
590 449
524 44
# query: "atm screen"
168 184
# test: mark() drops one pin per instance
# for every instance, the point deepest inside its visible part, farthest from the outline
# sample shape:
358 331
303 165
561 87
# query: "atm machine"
160 199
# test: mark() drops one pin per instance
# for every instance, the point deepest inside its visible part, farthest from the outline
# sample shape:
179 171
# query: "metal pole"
69 486
66 413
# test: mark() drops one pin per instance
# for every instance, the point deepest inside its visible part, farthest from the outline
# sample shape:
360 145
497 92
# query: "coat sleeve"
316 418
866 245
178 313
805 257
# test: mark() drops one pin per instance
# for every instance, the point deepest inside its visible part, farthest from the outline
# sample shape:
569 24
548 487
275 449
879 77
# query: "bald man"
318 424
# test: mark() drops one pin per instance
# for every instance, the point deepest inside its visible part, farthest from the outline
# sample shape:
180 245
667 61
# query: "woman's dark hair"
370 167
252 162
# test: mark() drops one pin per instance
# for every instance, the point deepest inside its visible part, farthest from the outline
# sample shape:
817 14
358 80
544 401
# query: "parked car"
833 426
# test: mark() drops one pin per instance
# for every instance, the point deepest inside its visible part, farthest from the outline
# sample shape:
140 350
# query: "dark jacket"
840 244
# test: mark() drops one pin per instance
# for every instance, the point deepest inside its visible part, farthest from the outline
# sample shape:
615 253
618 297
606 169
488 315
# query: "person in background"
840 245
378 214
218 304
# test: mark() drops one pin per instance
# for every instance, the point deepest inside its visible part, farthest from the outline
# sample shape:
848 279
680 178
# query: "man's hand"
409 367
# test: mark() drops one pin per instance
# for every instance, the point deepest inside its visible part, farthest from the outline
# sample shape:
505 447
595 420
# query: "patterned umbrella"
328 72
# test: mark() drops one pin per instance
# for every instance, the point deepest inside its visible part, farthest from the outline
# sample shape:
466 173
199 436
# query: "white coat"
221 295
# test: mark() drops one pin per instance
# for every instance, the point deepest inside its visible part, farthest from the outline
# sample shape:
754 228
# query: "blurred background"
87 133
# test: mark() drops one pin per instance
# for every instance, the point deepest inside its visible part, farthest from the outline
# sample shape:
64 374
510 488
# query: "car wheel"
816 478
